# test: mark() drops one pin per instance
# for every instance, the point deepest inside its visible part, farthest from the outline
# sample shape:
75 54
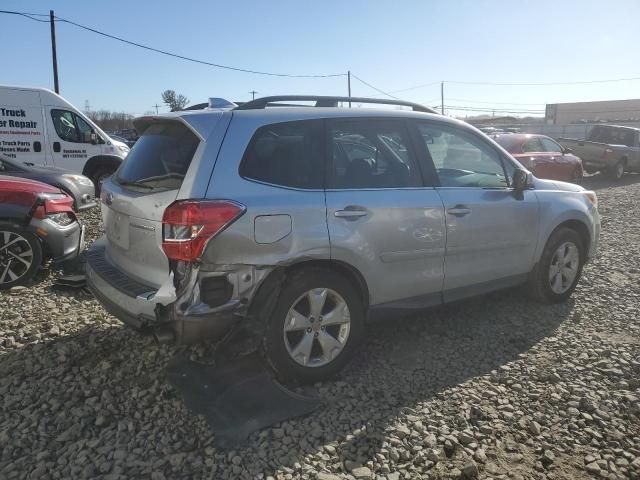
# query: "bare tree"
111 121
174 101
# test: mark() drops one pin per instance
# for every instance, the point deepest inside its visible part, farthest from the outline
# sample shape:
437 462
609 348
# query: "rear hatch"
135 198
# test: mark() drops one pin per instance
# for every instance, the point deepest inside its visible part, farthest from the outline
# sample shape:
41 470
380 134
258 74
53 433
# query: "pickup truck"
609 148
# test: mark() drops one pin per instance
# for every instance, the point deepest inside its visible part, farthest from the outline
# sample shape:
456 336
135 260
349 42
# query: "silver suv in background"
305 222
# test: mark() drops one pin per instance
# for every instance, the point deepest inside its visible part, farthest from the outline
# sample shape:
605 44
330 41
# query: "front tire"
556 275
20 256
315 327
98 178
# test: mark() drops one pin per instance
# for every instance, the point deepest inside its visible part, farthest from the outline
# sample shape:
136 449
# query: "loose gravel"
494 387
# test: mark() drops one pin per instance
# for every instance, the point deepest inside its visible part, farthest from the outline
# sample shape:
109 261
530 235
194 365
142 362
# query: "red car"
542 156
37 222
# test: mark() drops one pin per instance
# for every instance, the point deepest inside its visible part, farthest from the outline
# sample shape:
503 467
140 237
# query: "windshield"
160 158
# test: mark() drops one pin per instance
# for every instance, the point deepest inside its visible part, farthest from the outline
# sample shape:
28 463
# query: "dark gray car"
77 186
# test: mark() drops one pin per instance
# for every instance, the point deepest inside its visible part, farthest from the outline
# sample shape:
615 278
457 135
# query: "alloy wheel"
16 256
564 267
317 327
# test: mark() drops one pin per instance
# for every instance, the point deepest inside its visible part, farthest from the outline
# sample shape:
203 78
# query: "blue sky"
391 44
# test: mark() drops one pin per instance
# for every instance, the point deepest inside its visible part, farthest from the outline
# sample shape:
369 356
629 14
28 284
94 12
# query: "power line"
537 84
494 103
175 55
375 88
27 15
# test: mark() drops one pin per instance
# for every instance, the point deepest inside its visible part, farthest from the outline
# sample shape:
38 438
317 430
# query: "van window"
65 125
371 154
160 158
71 127
287 154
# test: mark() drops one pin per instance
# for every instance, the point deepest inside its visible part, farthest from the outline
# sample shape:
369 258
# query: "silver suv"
305 222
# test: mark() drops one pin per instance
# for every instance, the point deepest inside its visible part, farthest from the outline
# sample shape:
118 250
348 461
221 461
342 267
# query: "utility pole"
87 107
253 94
349 85
54 56
156 106
442 97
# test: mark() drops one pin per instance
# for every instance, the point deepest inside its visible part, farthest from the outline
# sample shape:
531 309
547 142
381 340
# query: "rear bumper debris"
190 307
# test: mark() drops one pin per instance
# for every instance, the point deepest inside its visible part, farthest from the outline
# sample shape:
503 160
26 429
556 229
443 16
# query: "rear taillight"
187 226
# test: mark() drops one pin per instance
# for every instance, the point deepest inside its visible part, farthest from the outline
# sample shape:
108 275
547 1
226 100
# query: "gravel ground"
495 387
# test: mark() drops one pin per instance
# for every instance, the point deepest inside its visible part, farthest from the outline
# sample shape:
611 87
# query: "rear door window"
160 158
371 154
288 154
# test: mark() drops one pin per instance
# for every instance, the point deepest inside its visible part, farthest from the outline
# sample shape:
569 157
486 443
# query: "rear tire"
617 171
20 256
315 327
556 275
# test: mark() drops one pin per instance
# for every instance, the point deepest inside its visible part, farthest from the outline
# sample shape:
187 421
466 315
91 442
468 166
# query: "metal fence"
572 130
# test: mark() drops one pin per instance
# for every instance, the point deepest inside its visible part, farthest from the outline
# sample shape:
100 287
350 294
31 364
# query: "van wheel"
617 171
315 327
20 256
556 275
98 178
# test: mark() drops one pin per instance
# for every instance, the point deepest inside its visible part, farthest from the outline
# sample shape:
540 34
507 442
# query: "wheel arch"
578 226
99 161
268 291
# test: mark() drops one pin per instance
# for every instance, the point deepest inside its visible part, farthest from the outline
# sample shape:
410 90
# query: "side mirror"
91 138
566 150
521 180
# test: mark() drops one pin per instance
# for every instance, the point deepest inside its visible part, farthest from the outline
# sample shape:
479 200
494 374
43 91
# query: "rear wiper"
166 176
137 184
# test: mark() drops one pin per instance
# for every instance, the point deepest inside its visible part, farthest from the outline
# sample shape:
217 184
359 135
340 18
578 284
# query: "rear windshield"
160 158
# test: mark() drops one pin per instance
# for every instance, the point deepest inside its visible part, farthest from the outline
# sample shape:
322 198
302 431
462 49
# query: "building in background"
588 112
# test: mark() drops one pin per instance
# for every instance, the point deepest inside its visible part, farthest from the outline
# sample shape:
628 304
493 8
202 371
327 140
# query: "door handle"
351 212
56 147
459 211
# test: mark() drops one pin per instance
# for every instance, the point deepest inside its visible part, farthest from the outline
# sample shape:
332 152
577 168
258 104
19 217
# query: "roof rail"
327 101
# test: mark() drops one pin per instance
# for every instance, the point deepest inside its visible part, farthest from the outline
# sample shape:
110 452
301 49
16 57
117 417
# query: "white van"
40 127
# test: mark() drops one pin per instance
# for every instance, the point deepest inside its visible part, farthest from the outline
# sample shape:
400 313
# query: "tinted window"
550 146
371 154
613 136
533 145
161 157
287 154
462 159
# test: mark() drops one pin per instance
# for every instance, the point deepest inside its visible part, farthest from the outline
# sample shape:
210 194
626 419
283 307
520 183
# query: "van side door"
72 141
383 218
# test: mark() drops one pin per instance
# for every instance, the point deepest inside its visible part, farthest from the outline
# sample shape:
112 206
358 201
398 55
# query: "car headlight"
124 149
81 179
63 219
592 197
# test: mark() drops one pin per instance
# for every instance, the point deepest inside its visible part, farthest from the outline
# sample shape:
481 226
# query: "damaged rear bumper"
180 313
